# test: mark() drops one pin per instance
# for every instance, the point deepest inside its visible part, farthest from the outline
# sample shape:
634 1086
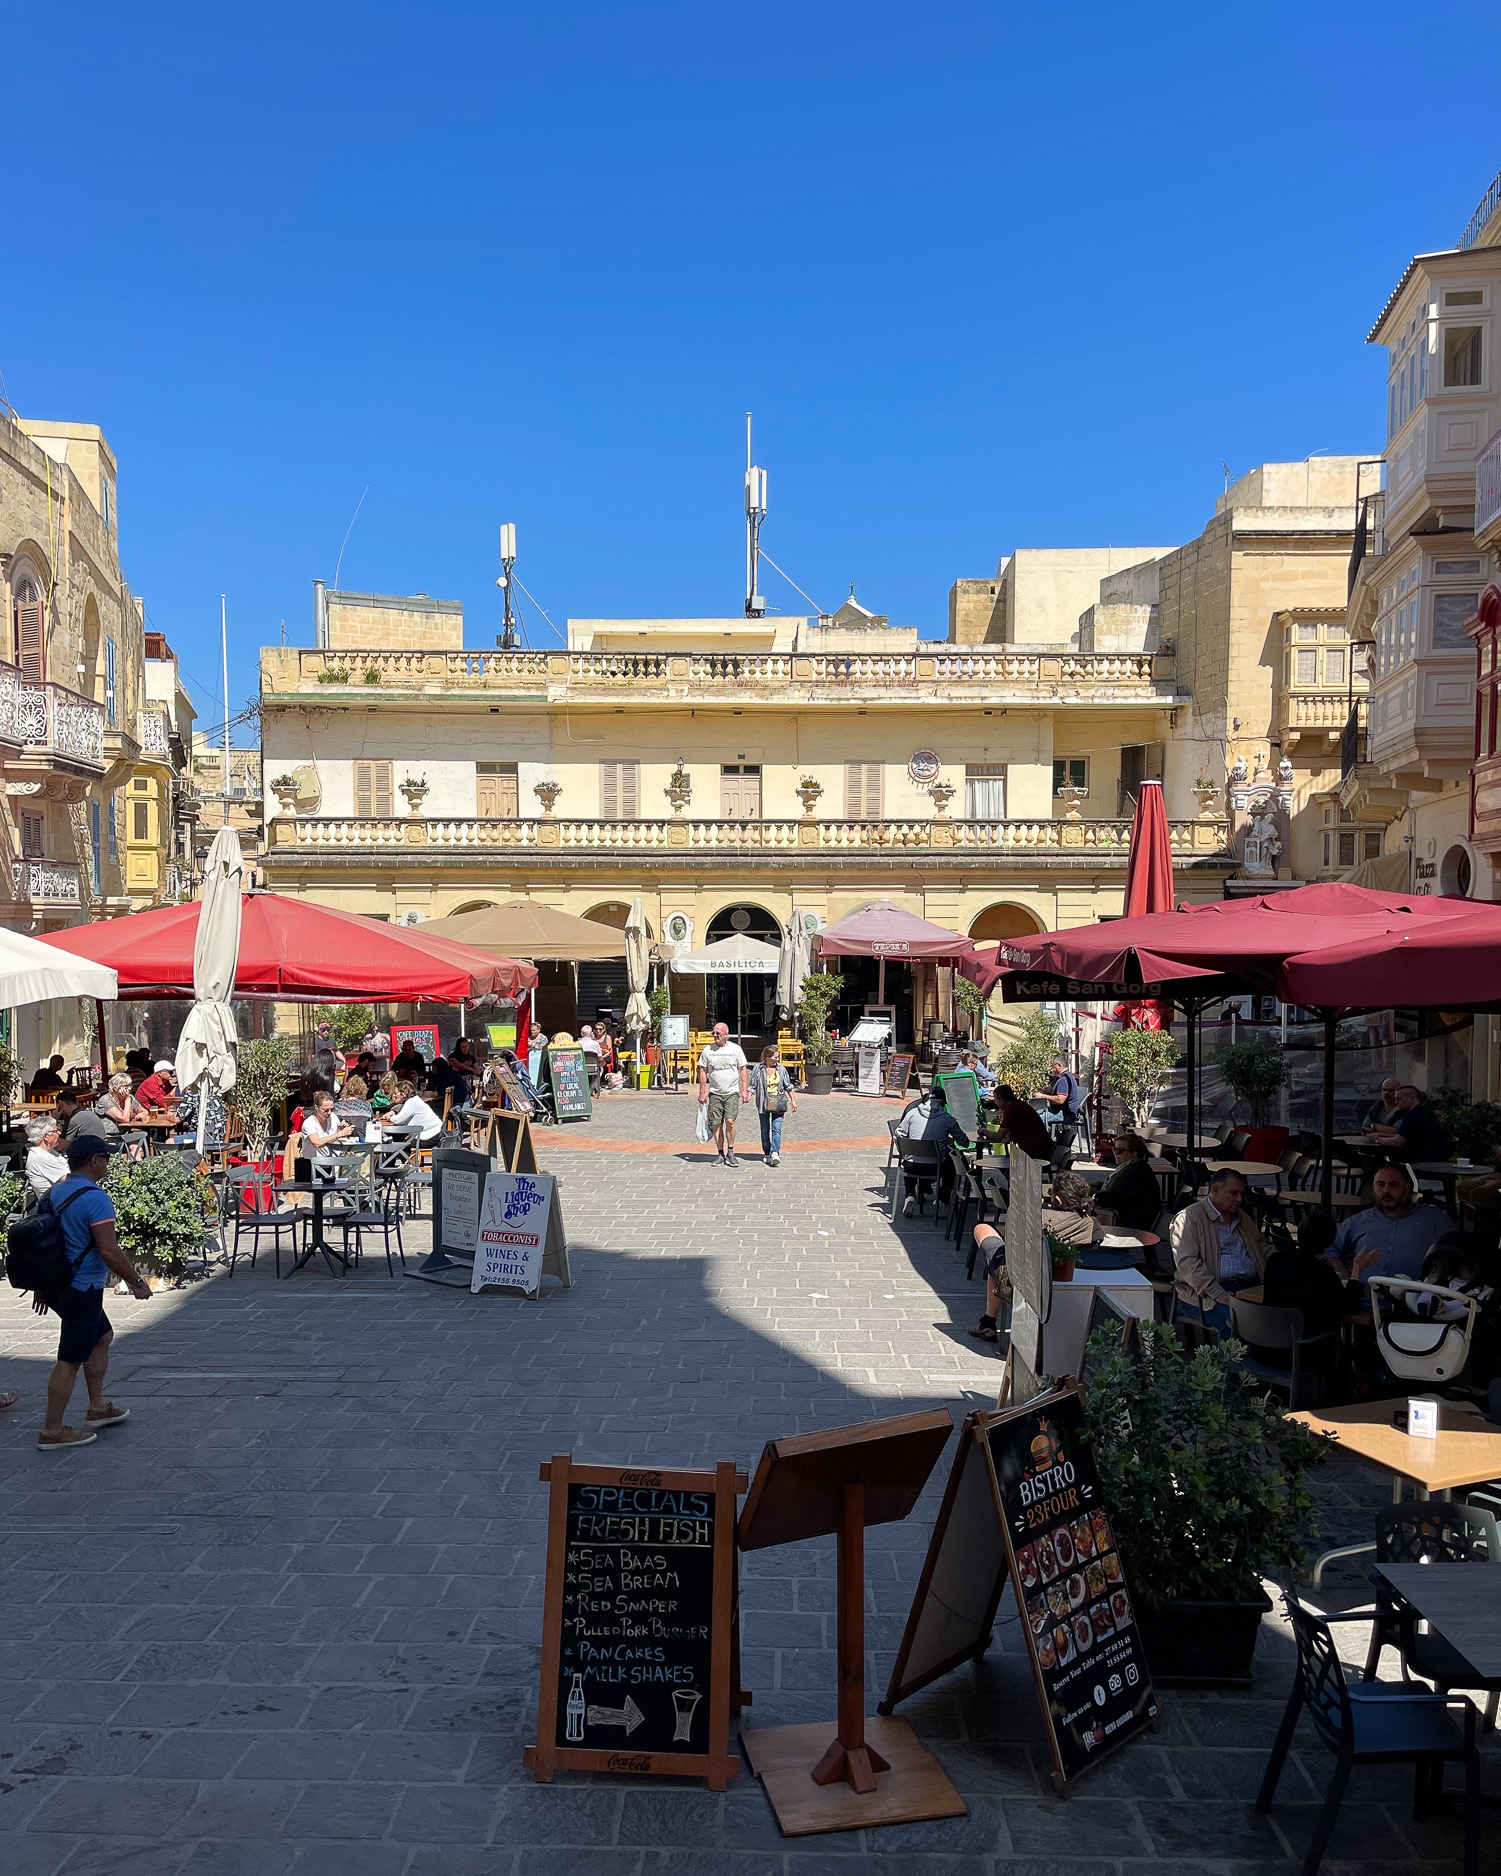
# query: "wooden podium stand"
873 1771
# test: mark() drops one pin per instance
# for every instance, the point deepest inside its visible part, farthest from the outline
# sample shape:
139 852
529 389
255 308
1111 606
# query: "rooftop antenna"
508 640
755 514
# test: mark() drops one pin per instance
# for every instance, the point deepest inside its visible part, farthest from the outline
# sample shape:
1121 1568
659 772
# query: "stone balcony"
48 885
940 673
1318 716
312 842
50 736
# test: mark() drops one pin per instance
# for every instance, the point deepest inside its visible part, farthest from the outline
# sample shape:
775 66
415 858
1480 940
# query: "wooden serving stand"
874 1771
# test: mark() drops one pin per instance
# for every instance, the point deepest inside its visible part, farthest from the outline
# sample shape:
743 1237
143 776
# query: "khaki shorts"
723 1107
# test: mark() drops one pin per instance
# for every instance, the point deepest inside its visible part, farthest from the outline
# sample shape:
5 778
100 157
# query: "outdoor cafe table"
1450 1171
1206 1143
1465 1451
1247 1168
1350 1201
319 1188
1463 1605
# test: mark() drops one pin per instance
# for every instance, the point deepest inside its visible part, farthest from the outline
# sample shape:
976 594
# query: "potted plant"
1473 1127
261 1071
11 1070
12 1194
973 1004
1026 1063
819 994
1062 1256
1205 1477
658 1005
163 1207
1254 1071
1139 1058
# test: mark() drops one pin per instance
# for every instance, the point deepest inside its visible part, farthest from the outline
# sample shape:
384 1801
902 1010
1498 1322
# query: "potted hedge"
1254 1071
1061 1255
1205 1478
164 1208
819 994
1134 1068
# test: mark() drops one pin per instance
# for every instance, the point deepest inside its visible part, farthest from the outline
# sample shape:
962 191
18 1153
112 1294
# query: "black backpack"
37 1255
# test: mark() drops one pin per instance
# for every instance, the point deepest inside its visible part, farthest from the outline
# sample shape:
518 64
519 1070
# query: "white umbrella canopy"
206 1047
742 957
792 963
30 972
637 964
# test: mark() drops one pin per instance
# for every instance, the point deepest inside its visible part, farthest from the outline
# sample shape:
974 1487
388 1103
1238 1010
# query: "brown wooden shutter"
609 791
31 640
630 776
384 793
862 791
372 790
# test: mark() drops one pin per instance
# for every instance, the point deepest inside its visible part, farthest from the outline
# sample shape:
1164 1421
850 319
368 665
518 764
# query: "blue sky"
988 277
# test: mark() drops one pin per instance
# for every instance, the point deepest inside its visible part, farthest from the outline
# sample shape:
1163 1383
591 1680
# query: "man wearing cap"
159 1089
86 1216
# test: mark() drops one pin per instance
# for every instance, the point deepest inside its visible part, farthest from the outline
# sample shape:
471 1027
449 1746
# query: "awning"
735 957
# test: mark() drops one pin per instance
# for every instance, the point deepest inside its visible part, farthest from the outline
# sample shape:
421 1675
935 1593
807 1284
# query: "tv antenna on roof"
755 514
509 638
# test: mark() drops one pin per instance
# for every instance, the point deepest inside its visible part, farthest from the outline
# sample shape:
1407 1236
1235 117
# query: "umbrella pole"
103 1039
1326 1173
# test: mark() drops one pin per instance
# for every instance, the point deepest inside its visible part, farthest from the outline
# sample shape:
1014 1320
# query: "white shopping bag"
702 1129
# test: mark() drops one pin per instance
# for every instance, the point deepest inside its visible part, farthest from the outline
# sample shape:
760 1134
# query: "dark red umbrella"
294 951
1149 869
885 929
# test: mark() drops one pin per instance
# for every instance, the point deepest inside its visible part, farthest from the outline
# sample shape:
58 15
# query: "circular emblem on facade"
923 766
740 920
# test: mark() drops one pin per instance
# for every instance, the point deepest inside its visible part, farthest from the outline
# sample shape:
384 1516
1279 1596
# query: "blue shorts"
82 1321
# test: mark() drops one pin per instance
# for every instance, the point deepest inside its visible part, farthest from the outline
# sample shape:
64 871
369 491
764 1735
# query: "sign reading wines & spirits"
638 1614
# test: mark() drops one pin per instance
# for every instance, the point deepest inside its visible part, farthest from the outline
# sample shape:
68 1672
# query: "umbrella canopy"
737 957
31 971
523 928
1438 962
792 963
886 930
294 951
206 1047
1149 868
637 965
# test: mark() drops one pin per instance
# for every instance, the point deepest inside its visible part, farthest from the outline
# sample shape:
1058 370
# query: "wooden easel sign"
1049 1532
898 1074
637 1622
512 1134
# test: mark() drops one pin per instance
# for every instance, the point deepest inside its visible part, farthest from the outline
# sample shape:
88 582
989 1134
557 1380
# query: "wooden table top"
1463 1602
1247 1168
1336 1199
1466 1451
1205 1144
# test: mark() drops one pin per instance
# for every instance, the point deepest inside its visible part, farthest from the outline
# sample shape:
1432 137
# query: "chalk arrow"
629 1716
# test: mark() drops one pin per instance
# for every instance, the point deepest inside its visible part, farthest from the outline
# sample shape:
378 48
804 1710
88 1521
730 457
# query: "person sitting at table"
1300 1276
1021 1125
413 1115
445 1078
1130 1194
409 1062
365 1068
991 1249
47 1080
930 1119
354 1104
159 1090
384 1096
119 1109
1393 1237
74 1119
320 1130
1217 1250
46 1162
1416 1133
1383 1110
981 1071
461 1057
1070 1193
137 1065
376 1041
216 1121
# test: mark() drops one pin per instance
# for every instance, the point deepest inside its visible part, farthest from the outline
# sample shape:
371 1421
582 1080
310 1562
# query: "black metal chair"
259 1224
920 1162
1375 1723
1430 1531
384 1218
1280 1331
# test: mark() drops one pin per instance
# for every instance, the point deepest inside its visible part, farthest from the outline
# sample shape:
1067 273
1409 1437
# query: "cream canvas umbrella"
31 972
637 963
206 1047
792 964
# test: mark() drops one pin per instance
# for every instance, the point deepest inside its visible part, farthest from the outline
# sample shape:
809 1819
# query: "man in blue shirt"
1394 1236
1063 1097
86 1214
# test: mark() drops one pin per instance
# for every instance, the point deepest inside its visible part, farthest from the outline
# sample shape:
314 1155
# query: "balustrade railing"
53 720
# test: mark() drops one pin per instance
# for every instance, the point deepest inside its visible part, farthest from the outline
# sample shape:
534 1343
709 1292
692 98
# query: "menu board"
898 1073
962 1091
637 1616
510 1087
569 1076
1086 1650
674 1032
422 1036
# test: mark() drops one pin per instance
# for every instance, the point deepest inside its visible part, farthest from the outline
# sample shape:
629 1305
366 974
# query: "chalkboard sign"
898 1074
1078 1617
1024 1502
963 1093
637 1616
510 1087
569 1077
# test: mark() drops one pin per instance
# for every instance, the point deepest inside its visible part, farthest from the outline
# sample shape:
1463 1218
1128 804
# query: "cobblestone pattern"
287 1618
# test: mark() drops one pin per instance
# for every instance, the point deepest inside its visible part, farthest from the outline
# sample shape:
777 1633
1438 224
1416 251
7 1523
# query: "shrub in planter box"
164 1210
1205 1478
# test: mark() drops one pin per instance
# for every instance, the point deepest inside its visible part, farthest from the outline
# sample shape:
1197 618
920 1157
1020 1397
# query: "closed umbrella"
792 963
1149 869
206 1047
637 964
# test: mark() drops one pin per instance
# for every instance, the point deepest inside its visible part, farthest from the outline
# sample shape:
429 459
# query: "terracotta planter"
1267 1144
1202 1644
1064 1273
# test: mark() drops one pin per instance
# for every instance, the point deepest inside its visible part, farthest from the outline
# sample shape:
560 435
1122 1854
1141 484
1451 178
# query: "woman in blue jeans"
771 1090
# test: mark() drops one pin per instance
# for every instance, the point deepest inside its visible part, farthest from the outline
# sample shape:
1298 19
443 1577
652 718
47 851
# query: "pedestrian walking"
771 1090
86 1217
723 1083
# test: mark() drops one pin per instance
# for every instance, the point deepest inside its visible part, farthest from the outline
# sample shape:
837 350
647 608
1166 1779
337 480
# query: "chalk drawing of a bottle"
684 1700
575 1733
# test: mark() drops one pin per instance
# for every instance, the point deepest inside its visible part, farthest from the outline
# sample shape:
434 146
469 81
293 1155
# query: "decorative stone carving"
415 790
1207 794
942 794
1238 770
1260 820
1285 773
1073 799
808 791
679 789
547 793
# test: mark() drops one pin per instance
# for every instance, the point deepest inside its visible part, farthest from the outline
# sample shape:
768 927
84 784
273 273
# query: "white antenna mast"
755 514
507 638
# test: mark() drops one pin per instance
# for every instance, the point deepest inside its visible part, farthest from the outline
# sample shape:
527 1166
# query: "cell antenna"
509 638
755 514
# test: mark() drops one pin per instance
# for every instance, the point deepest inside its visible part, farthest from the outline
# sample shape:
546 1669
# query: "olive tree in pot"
1254 1071
1138 1060
1205 1478
262 1068
819 994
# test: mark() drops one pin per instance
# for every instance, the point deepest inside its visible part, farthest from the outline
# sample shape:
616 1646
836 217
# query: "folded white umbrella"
30 972
206 1047
637 963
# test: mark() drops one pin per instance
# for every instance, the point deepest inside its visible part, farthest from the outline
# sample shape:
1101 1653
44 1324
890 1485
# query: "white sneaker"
776 1159
909 1210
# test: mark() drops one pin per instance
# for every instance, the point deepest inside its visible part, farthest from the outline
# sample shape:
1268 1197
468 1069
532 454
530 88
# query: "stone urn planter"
415 790
1207 794
808 791
941 793
1073 799
547 793
679 789
285 791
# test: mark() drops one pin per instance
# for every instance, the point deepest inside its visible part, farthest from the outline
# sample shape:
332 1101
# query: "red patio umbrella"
294 951
1149 868
884 929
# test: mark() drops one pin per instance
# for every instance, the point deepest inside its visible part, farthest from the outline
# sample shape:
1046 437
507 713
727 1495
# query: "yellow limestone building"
727 770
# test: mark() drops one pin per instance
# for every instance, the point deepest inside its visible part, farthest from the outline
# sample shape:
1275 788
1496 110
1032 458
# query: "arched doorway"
746 1004
1005 920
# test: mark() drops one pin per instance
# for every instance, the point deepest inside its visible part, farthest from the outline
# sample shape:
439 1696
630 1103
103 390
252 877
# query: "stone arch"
1005 919
738 917
472 905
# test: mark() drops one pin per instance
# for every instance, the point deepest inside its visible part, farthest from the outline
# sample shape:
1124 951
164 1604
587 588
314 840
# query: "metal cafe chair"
249 1219
384 1217
918 1160
1372 1723
1279 1331
1430 1531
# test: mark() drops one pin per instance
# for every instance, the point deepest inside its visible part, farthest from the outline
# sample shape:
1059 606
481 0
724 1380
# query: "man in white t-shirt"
723 1083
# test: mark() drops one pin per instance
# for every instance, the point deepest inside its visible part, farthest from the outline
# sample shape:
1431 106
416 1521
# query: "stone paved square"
287 1619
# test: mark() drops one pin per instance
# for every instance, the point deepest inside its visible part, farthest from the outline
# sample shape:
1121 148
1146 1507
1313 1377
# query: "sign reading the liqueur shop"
1077 1614
519 1236
637 1622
